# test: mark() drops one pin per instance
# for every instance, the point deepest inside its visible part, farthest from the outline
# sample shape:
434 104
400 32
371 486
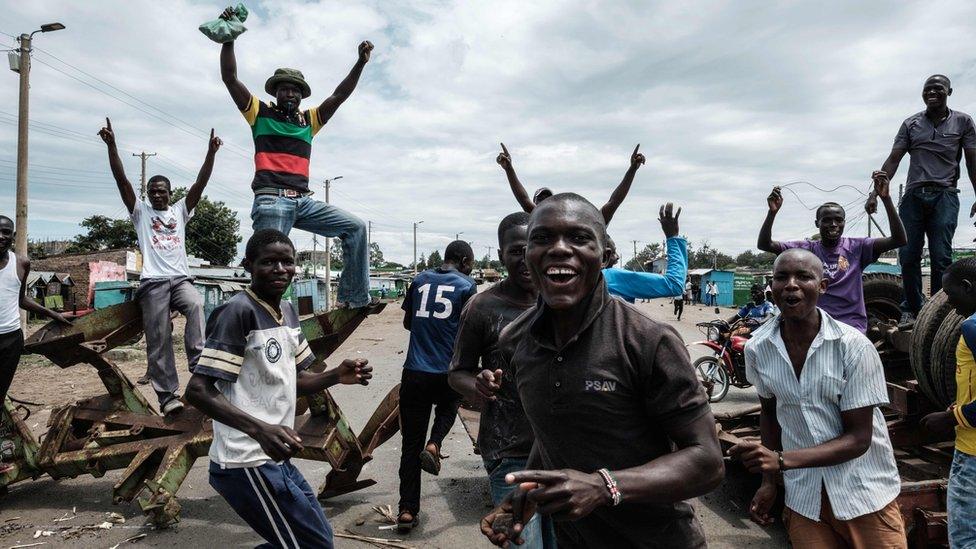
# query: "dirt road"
452 503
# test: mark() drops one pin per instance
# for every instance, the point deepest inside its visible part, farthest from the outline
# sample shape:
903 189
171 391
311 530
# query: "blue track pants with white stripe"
277 502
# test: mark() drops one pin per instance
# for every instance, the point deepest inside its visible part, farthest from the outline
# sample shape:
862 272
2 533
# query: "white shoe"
172 406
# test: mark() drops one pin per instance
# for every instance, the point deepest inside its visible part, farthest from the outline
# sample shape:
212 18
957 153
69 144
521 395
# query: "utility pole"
457 236
415 246
142 180
636 263
328 245
315 262
23 111
369 243
488 250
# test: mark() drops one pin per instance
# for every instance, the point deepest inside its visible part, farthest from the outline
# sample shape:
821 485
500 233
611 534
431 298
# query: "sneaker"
144 380
172 406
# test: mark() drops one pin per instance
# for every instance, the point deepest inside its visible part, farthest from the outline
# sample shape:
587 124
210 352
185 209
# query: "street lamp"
457 236
23 68
328 246
415 246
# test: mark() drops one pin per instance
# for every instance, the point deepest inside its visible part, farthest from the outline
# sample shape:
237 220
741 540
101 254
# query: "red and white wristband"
611 483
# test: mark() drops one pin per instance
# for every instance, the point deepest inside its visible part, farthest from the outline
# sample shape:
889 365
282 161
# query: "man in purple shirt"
844 259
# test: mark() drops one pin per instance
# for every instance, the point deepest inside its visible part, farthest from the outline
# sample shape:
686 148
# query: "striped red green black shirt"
282 148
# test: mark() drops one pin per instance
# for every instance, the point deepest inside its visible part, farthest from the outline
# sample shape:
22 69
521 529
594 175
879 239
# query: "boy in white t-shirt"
165 283
248 378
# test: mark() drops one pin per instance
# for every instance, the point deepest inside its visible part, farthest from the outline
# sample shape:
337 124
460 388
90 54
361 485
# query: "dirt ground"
452 503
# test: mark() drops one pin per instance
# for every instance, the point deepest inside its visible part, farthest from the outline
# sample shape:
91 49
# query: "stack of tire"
933 350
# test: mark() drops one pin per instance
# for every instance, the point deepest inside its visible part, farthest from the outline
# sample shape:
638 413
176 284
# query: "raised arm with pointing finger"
504 160
636 161
115 163
196 190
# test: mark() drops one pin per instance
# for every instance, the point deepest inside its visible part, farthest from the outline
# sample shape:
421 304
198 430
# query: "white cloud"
726 99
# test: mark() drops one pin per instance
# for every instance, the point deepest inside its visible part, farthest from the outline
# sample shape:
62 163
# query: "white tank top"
9 296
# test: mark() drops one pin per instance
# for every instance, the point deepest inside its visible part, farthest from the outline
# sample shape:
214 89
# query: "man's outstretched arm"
26 302
766 242
196 190
115 163
620 193
898 236
347 86
890 166
505 161
228 73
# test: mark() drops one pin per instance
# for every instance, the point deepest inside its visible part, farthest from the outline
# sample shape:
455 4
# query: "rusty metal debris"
120 430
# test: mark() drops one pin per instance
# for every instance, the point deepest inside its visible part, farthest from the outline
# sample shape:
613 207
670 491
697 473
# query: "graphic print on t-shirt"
164 233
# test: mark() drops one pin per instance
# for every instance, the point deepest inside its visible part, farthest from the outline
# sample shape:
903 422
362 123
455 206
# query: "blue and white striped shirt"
842 372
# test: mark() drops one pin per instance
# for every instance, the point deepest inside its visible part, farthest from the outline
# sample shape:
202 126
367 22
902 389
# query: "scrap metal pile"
120 430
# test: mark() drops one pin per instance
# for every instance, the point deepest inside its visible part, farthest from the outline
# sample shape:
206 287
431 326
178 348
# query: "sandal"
404 526
430 462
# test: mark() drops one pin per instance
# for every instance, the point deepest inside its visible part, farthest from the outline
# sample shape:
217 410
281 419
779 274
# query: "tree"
212 234
754 260
707 257
104 233
435 259
335 255
422 264
649 253
375 255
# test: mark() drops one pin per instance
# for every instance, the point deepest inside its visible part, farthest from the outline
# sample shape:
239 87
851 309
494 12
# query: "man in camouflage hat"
282 148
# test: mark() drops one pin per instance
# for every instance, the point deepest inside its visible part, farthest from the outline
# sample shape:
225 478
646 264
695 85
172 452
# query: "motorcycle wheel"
713 377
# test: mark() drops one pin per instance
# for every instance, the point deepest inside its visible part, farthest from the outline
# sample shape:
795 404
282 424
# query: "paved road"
452 503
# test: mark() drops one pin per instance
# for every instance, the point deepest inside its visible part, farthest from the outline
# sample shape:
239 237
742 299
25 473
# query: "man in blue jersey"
432 312
632 285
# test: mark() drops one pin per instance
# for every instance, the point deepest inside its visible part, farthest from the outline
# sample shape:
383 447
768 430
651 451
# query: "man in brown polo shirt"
623 431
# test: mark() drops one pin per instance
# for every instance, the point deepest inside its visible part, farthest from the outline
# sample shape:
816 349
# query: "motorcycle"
726 366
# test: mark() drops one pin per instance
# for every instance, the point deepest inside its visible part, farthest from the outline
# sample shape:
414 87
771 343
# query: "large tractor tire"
943 357
883 294
927 324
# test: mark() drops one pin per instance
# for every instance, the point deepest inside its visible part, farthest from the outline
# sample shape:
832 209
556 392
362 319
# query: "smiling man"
479 374
254 366
821 384
936 140
283 135
623 431
844 258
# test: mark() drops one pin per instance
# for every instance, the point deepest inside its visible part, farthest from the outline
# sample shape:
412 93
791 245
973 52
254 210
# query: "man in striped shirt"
282 148
252 368
820 383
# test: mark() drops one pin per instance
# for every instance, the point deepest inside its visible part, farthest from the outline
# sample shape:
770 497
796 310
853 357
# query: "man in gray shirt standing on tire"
935 139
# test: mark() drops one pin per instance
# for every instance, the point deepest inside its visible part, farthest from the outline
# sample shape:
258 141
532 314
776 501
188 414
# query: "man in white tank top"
13 297
165 284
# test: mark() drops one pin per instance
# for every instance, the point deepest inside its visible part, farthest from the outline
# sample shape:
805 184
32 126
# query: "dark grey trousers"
157 297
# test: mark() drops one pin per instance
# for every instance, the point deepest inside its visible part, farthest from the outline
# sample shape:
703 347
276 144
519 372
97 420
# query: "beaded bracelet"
611 483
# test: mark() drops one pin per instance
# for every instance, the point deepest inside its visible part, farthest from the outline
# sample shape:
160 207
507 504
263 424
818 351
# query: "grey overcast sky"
725 98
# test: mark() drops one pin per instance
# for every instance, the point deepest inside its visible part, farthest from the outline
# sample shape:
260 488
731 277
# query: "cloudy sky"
725 98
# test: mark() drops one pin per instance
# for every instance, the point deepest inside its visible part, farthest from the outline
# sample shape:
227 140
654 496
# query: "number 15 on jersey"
439 299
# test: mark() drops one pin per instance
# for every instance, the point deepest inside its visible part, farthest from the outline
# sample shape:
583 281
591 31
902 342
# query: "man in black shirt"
624 433
504 435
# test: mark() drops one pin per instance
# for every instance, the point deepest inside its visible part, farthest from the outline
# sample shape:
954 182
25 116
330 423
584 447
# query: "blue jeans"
283 213
961 501
930 212
276 502
538 533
